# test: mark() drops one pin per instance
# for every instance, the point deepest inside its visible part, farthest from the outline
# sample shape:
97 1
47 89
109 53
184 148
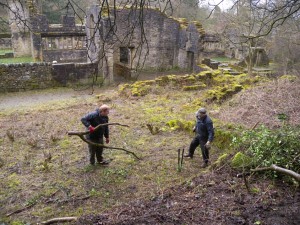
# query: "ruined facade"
120 42
63 42
213 46
155 43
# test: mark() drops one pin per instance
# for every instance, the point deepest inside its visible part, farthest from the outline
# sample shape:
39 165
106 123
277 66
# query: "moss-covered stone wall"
31 76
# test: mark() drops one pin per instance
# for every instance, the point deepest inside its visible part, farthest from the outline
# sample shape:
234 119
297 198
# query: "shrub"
266 147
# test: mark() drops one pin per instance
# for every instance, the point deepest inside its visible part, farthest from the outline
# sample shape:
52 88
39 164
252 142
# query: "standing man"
90 121
204 136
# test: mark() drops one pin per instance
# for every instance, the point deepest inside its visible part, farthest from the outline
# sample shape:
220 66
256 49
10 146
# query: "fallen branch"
279 169
59 220
81 135
20 210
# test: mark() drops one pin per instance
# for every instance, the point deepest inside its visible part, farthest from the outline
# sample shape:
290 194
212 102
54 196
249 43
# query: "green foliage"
223 138
220 161
241 160
267 147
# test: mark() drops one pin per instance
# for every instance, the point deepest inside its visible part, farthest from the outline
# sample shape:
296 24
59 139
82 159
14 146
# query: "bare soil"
150 191
217 197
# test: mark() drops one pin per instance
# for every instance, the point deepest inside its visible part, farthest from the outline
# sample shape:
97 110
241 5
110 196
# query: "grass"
223 59
3 51
25 59
68 173
56 186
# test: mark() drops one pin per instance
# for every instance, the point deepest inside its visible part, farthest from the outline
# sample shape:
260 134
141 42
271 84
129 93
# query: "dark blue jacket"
205 129
94 119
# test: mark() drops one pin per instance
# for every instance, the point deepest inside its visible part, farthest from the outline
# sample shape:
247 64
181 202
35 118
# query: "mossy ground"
25 59
45 168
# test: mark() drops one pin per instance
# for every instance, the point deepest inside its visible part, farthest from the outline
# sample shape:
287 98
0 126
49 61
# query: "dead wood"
81 135
20 210
59 220
279 169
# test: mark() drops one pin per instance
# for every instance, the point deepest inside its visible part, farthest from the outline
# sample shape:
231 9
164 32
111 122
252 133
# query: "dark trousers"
96 151
195 143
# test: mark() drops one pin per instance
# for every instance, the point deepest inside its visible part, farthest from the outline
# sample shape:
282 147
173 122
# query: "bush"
266 147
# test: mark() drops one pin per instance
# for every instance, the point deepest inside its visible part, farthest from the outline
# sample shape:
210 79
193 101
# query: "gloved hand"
107 140
91 129
207 145
194 129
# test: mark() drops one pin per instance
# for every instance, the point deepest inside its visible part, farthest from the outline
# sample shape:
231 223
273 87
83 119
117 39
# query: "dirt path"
12 101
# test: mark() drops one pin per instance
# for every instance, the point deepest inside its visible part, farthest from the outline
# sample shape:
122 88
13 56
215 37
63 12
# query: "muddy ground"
218 197
150 191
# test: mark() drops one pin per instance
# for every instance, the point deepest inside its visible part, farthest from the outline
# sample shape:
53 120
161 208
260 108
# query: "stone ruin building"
118 45
170 43
63 42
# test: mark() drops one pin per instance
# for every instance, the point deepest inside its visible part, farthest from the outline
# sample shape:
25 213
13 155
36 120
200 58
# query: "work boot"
204 164
103 162
188 156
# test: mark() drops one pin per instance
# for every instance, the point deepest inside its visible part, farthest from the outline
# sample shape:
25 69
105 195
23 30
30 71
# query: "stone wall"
165 44
20 34
25 76
31 76
65 55
213 46
71 73
5 43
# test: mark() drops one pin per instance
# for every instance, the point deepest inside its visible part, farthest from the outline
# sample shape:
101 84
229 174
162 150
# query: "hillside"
45 173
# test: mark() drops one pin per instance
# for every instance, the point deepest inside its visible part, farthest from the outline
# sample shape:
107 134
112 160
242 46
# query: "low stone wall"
5 43
25 76
71 73
31 76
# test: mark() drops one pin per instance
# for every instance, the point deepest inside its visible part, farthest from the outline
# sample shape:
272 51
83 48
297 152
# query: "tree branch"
81 135
59 220
279 169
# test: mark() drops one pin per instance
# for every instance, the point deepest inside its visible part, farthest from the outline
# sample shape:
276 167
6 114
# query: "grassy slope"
56 188
27 179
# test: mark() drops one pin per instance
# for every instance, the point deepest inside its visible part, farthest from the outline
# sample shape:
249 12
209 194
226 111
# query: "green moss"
65 143
289 77
241 160
222 159
18 222
193 87
180 125
13 181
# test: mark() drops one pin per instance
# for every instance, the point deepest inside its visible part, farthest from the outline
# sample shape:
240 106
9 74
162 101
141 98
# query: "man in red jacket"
90 121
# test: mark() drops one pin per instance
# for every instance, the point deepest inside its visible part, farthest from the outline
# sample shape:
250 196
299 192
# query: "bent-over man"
90 121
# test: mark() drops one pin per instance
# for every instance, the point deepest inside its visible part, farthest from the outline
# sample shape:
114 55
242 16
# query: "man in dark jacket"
204 136
90 121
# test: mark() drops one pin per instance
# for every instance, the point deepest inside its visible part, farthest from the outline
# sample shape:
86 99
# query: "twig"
181 162
255 125
75 199
21 210
178 159
59 220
